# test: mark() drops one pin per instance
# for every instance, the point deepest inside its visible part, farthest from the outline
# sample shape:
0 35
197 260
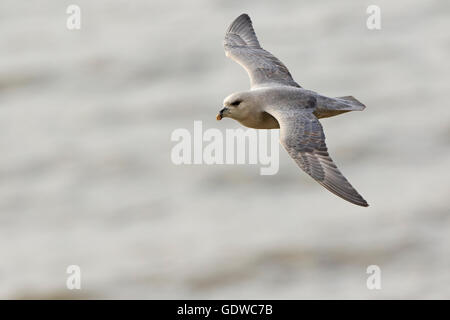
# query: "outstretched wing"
302 136
262 67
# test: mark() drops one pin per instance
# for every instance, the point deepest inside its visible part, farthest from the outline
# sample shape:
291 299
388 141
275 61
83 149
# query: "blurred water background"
86 176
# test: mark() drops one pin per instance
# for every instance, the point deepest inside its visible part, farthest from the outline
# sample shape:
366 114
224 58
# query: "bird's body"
321 106
275 101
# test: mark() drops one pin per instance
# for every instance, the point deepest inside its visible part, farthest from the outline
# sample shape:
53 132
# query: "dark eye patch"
235 103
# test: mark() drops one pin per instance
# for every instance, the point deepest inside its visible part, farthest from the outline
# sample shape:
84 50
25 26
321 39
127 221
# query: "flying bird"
275 101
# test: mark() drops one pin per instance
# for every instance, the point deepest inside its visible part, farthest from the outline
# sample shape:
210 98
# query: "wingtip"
360 202
363 202
243 18
241 32
365 205
354 197
243 15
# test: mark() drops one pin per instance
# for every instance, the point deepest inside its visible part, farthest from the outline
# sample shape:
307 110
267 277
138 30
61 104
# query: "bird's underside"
301 133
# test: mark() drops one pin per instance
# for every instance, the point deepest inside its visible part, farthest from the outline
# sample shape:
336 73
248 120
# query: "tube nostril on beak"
220 115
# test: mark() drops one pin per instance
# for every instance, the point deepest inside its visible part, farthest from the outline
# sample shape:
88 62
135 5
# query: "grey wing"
262 67
302 136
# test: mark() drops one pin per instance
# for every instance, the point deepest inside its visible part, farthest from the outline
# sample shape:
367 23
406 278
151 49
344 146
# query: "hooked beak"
222 114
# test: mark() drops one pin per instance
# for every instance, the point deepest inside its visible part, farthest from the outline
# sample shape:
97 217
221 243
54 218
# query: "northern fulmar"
276 101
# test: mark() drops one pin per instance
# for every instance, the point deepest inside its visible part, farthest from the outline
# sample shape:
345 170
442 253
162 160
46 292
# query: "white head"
237 106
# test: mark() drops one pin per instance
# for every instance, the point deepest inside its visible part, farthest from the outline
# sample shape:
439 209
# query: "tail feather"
353 101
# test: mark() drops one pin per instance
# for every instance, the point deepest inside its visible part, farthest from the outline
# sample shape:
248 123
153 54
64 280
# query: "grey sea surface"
86 176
